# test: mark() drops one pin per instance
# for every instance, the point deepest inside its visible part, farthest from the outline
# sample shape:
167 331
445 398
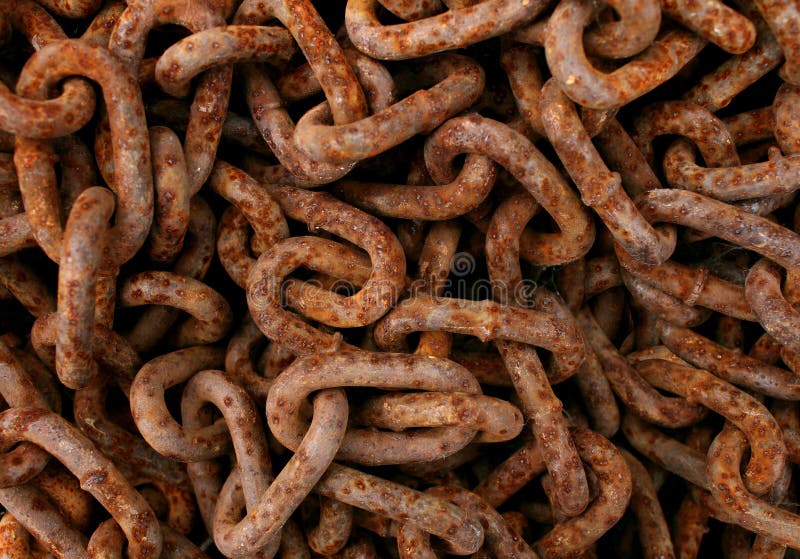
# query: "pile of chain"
510 278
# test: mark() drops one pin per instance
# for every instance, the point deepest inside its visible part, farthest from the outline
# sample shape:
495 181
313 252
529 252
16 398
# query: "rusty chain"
399 278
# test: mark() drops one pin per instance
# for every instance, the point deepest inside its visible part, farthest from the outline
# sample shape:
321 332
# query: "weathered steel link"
586 85
638 395
213 47
108 540
708 132
778 175
446 200
542 407
460 82
37 516
783 20
273 507
511 475
775 313
499 538
329 63
455 28
653 531
723 220
236 129
433 268
576 535
485 320
97 474
387 371
698 386
133 180
43 118
49 118
636 28
249 445
128 41
240 360
109 349
623 155
461 531
693 286
133 456
154 420
18 390
730 365
719 87
733 501
714 21
334 528
24 284
85 238
211 315
171 183
510 149
193 262
663 305
786 130
377 295
497 420
601 189
324 54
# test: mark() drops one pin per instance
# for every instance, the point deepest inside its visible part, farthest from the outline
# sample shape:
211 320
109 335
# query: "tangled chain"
399 278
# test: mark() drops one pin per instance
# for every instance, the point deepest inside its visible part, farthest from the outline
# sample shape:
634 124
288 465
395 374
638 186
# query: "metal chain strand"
97 474
133 179
85 237
247 247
